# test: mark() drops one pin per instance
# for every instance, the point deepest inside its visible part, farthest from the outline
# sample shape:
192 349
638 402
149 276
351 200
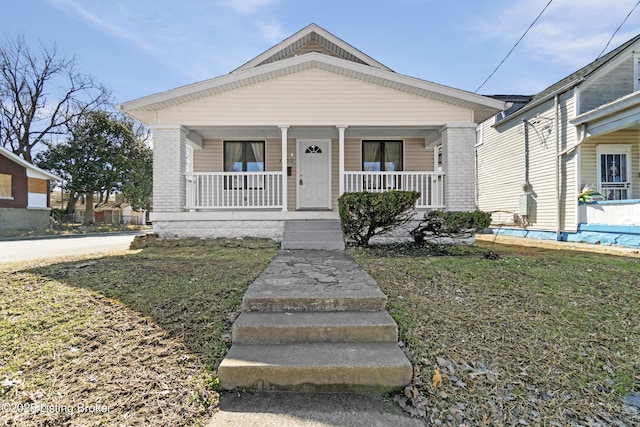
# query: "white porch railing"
234 190
429 184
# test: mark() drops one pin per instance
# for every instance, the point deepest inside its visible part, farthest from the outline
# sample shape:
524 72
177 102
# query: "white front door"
314 174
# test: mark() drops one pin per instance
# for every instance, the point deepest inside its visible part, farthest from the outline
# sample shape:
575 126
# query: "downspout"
558 160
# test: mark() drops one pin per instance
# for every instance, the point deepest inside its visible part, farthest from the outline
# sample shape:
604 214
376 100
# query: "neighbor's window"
381 156
479 135
5 186
614 171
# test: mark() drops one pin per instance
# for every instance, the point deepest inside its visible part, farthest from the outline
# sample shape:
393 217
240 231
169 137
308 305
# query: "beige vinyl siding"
210 157
416 157
610 86
589 161
314 97
352 154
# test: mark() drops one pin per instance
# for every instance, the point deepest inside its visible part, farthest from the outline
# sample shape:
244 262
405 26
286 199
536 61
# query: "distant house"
24 193
284 135
581 134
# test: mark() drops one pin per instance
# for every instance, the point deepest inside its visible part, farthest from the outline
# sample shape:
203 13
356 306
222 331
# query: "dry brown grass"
135 337
532 337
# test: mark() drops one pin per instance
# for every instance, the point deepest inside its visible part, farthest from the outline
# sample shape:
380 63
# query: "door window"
614 174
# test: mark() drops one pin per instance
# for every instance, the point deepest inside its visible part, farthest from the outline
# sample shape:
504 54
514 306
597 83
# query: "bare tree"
41 94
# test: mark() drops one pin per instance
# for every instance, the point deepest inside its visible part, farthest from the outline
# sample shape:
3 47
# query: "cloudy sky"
141 47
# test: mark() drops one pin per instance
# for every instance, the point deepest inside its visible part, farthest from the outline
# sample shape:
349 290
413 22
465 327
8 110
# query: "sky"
141 47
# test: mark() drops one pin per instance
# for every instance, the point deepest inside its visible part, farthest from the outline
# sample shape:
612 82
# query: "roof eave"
22 162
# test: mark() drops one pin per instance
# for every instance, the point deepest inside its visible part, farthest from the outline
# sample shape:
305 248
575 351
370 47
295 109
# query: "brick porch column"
169 167
459 166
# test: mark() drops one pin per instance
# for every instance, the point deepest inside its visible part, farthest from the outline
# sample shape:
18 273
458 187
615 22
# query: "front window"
244 156
380 156
614 173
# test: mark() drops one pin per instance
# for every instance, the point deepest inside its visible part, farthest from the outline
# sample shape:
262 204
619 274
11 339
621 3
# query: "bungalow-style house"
566 165
282 136
24 193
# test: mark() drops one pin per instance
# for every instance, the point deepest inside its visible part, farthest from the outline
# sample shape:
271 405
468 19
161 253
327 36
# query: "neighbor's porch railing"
429 184
234 190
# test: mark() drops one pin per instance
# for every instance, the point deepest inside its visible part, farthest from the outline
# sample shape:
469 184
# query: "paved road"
31 249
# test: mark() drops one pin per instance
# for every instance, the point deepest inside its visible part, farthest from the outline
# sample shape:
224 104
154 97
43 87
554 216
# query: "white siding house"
282 136
533 164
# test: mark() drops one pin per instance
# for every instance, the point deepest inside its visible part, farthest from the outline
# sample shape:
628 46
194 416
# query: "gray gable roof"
565 84
587 70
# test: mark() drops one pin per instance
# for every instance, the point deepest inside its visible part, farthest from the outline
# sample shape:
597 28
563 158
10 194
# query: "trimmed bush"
450 224
365 214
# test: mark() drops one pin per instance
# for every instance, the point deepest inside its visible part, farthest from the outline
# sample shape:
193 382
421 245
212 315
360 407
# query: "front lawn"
534 337
121 340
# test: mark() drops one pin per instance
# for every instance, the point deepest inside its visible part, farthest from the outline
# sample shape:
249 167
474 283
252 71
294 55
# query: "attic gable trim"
312 28
615 107
350 69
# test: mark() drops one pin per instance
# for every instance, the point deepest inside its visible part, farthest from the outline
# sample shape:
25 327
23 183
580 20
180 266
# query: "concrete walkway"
312 335
309 410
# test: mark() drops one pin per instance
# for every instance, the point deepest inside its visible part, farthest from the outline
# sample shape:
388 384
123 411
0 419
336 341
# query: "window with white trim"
244 157
382 156
614 171
479 135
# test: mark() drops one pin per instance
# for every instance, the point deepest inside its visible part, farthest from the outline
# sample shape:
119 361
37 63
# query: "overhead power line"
514 46
617 29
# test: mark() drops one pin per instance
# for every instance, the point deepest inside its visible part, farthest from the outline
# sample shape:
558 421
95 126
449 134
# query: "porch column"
284 130
459 166
169 167
341 129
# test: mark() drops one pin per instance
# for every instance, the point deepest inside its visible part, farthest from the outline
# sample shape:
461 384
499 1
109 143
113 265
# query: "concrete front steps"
328 336
313 234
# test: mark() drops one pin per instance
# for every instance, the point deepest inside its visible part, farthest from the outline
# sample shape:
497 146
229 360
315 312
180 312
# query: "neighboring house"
24 193
534 163
282 136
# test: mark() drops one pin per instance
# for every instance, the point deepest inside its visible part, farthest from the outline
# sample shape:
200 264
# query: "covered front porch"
298 172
